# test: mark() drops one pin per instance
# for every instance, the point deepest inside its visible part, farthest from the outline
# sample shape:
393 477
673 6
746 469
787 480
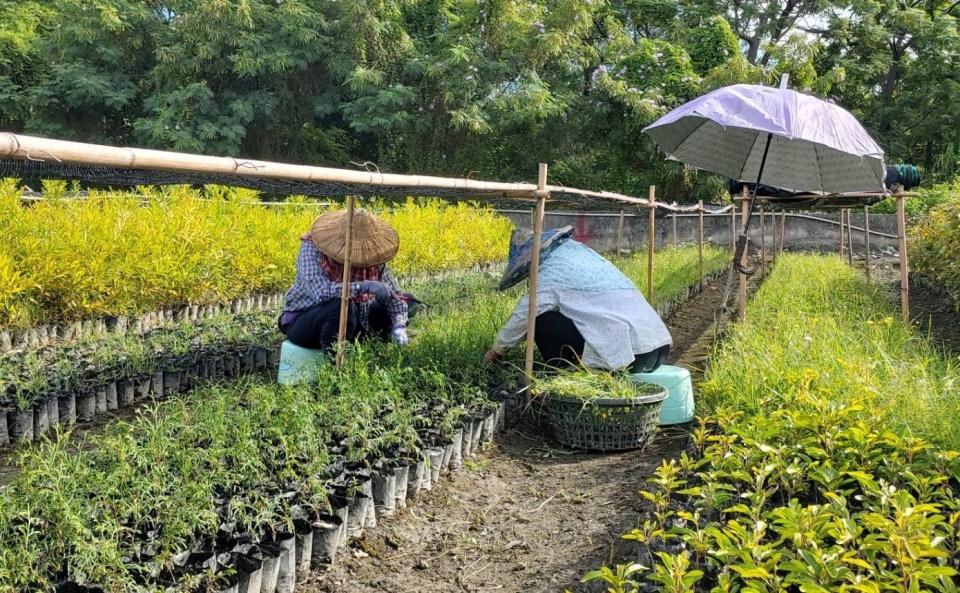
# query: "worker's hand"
400 336
491 356
379 290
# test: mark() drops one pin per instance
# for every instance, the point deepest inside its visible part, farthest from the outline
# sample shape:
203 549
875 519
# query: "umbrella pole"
345 291
535 272
741 266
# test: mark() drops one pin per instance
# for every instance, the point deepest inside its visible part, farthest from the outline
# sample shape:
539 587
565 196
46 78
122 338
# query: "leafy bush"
809 474
935 245
121 254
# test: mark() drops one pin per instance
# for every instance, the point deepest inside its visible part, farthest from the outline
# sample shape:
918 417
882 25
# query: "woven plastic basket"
607 424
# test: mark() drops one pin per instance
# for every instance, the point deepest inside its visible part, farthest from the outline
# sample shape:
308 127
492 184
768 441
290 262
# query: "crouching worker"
311 315
588 312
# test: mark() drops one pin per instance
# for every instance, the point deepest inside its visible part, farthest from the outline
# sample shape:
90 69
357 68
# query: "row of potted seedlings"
54 333
66 385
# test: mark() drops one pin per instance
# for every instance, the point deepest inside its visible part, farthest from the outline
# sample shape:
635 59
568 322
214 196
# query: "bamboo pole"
904 263
842 242
675 239
733 226
742 296
651 239
783 232
345 291
849 237
620 234
700 242
866 239
535 271
763 243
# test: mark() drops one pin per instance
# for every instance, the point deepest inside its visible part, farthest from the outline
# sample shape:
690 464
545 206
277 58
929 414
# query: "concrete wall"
813 231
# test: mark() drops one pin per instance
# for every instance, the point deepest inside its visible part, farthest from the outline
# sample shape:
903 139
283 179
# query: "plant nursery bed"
526 515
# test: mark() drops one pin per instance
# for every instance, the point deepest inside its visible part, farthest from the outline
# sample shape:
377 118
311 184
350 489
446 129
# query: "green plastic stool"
678 407
298 365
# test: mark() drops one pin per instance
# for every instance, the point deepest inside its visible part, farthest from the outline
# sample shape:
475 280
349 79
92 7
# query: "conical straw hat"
374 240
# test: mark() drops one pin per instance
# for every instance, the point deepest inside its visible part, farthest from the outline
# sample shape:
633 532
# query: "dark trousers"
318 326
561 344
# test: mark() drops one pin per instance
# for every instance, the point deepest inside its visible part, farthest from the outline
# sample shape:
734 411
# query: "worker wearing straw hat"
311 315
588 312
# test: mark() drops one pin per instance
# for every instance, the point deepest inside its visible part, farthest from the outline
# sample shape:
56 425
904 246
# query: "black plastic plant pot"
357 515
271 568
340 508
53 411
415 479
67 405
456 455
141 388
125 393
476 429
447 456
73 587
22 426
86 407
260 358
304 548
287 576
466 445
606 424
402 476
4 431
171 382
41 421
100 400
489 428
385 493
326 540
156 384
435 457
112 397
249 573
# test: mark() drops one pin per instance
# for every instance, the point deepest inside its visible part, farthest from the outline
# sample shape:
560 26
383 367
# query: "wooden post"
535 270
773 237
651 239
345 292
783 231
742 297
620 234
675 239
842 243
849 237
904 264
733 226
866 239
700 241
763 243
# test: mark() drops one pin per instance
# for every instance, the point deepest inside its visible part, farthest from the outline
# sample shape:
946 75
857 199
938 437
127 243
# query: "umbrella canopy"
814 146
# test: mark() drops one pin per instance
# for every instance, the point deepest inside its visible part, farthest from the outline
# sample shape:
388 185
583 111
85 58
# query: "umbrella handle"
742 241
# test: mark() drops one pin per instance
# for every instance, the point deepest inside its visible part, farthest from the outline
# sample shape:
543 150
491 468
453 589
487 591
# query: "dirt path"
525 516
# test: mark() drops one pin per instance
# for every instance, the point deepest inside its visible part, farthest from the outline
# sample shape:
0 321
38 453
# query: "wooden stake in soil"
866 239
700 242
651 239
842 243
849 237
675 240
535 270
904 264
742 296
620 234
733 226
345 292
763 243
783 231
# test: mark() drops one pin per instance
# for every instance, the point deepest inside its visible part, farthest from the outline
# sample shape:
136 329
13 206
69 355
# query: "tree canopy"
489 87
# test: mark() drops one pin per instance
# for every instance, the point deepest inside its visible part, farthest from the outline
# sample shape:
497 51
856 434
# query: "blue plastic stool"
298 365
678 407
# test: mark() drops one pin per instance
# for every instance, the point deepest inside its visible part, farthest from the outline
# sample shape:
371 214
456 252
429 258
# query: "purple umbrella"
779 137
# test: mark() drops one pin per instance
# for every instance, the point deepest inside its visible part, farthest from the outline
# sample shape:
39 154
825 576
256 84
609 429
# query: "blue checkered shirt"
313 287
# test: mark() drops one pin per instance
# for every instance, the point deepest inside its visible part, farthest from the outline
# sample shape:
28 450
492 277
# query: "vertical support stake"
675 239
763 243
842 241
345 292
742 296
620 234
535 271
700 241
866 239
904 264
849 237
783 231
651 239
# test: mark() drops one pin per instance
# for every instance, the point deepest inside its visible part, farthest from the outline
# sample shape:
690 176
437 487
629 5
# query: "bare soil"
526 515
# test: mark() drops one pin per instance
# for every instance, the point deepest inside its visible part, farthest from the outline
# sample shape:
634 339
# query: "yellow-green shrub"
935 245
123 253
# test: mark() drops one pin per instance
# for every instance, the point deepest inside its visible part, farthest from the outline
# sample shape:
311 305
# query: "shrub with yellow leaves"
117 253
